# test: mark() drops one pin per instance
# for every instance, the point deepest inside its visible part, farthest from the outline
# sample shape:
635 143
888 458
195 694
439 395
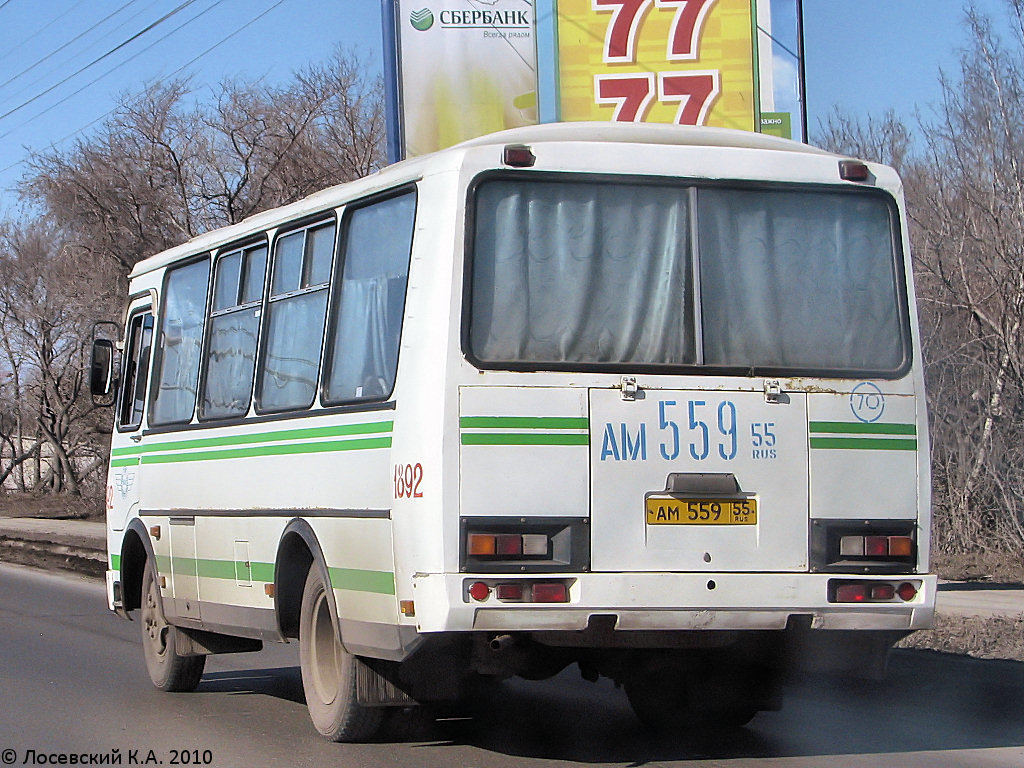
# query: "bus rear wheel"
168 670
329 670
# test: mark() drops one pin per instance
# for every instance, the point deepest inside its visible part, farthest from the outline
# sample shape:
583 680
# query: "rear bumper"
672 602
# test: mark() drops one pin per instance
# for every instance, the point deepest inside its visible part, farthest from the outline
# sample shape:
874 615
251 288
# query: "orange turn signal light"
480 544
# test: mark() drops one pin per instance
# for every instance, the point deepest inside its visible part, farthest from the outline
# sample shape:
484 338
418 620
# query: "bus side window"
293 333
234 325
136 369
179 344
366 316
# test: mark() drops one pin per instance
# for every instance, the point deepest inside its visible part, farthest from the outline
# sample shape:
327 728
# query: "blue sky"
864 56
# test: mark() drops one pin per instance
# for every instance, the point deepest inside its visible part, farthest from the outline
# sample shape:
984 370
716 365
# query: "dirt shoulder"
998 637
981 566
51 506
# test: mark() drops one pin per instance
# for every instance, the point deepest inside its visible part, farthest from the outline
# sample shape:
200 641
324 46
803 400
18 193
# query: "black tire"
329 670
167 669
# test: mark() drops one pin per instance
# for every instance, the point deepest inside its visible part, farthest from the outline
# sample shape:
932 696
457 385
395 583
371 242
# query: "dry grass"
983 565
54 506
1001 637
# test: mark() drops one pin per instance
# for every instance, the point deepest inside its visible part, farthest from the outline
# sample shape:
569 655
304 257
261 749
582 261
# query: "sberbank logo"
421 20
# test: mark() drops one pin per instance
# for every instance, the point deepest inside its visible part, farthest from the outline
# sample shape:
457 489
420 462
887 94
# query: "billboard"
458 69
668 61
465 68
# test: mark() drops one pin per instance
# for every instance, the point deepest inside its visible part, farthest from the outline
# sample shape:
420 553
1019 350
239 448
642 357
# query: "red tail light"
550 593
479 591
510 544
843 591
906 591
509 592
521 591
882 591
852 593
876 546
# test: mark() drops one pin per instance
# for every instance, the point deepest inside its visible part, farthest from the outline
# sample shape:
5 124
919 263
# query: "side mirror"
101 372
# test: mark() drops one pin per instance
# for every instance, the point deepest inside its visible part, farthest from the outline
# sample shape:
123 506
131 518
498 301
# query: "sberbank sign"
423 19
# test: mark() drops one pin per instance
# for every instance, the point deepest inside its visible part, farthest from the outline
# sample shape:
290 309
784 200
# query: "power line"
184 66
65 63
69 42
109 53
112 69
37 32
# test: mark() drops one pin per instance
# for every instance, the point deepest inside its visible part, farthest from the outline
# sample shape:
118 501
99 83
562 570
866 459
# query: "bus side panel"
524 451
864 454
298 465
359 555
235 562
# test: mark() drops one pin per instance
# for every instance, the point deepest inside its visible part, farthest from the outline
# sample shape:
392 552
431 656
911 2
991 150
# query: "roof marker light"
518 156
853 170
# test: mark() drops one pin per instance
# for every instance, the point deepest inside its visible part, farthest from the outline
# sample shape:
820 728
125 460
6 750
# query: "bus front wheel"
329 670
168 670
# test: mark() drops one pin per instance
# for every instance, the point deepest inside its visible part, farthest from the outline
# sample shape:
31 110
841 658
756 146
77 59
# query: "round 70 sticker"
867 402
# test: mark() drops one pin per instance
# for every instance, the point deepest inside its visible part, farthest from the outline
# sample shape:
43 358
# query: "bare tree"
163 168
46 300
161 171
966 201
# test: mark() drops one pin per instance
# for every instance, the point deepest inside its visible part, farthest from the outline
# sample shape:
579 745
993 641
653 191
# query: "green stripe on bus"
862 428
524 422
342 430
263 572
132 462
228 570
354 579
358 580
514 438
115 562
863 444
294 449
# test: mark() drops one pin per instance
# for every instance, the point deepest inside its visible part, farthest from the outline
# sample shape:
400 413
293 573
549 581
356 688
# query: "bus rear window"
582 274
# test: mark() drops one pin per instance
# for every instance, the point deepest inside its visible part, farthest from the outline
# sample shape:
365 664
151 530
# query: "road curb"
46 547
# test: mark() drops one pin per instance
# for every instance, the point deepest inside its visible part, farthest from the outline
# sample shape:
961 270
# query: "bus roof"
641 133
595 132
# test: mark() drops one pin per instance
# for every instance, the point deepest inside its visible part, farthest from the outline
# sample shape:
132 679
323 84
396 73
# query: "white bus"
646 399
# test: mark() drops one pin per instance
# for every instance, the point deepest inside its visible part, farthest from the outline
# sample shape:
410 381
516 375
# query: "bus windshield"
571 273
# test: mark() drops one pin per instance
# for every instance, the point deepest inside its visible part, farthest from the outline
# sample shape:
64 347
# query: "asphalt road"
73 685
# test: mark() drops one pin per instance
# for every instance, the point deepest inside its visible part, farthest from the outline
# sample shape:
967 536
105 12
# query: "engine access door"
698 480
